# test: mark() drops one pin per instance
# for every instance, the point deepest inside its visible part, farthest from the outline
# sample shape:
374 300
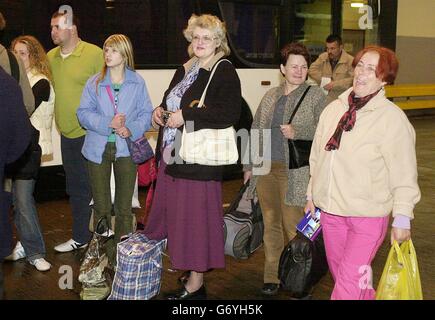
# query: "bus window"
155 29
253 31
313 24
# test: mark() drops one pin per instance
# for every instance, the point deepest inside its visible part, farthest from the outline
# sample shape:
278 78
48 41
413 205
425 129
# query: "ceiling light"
357 5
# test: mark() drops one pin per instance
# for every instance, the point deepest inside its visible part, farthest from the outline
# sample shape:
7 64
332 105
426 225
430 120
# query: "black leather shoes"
270 289
183 294
184 277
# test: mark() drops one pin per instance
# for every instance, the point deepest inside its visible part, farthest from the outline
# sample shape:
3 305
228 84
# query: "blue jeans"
26 219
77 187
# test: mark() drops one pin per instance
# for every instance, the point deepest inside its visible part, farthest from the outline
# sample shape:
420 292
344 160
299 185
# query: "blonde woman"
24 172
114 105
187 208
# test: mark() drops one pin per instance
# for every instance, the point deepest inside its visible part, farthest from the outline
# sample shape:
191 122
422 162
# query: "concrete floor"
241 279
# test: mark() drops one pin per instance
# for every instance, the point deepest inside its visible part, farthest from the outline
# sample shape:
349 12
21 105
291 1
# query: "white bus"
257 29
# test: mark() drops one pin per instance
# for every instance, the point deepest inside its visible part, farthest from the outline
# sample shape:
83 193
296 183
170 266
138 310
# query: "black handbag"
302 264
299 150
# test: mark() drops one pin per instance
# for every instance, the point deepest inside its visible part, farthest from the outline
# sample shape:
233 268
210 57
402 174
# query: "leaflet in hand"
309 226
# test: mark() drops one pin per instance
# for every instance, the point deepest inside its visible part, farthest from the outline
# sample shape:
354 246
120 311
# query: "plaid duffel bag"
139 268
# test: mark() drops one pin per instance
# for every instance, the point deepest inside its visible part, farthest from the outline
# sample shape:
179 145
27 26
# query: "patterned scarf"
348 119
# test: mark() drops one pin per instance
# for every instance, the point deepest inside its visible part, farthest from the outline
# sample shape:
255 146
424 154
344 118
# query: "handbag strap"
201 101
298 105
109 92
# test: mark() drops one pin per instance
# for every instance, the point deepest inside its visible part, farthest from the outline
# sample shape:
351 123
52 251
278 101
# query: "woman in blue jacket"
114 105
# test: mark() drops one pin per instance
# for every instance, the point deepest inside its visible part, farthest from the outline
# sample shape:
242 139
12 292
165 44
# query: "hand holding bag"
299 150
211 147
400 279
140 149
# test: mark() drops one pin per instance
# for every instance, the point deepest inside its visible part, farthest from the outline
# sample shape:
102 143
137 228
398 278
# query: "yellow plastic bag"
400 279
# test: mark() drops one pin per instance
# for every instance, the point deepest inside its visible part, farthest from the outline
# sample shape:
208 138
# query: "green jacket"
69 79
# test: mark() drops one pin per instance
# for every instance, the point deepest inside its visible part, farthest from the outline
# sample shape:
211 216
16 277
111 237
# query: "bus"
256 30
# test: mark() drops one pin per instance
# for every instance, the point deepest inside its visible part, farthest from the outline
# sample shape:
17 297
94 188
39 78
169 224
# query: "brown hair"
37 56
388 64
295 48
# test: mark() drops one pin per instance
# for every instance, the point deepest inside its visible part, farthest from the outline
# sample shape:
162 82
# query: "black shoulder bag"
299 150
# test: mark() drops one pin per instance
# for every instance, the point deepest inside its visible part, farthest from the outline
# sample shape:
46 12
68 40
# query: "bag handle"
299 103
109 92
201 101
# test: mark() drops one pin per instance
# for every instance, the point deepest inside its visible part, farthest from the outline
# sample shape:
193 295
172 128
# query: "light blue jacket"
96 113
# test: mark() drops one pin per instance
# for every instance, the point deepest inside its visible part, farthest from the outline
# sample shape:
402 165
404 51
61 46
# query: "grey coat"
26 89
304 124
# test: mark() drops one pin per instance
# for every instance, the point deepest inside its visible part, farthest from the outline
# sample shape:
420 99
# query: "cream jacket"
342 75
374 172
42 118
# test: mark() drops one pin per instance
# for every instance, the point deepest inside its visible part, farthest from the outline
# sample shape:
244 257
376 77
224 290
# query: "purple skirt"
189 214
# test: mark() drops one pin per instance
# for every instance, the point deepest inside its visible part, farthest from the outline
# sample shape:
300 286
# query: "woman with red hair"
363 168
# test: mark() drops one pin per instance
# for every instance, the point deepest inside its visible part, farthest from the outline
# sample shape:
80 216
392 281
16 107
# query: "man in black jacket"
14 139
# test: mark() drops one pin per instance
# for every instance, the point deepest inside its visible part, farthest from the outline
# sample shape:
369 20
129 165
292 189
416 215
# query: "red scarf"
348 119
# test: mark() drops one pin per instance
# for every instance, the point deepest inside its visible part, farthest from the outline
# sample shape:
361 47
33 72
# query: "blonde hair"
211 23
121 43
37 56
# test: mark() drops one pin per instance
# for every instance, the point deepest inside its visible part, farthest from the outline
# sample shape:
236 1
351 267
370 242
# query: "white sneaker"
107 234
70 245
17 254
41 264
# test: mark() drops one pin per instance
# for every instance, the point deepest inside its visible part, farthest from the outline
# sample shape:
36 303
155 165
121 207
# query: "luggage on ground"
139 268
243 226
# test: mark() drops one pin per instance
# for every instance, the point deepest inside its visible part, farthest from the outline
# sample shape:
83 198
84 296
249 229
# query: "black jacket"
223 106
14 138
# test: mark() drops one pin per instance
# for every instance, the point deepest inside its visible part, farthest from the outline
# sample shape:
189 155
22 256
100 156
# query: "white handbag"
211 147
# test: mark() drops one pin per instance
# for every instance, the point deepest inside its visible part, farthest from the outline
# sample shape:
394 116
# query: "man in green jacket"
72 63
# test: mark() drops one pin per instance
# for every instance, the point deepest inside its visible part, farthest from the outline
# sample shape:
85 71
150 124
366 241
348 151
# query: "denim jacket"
96 112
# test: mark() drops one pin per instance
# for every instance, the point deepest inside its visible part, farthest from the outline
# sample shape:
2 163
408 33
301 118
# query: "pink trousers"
351 244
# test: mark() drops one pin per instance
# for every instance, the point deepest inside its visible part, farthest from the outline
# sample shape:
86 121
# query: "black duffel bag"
302 264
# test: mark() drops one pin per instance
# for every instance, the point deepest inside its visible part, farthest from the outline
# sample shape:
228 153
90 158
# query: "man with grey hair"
15 68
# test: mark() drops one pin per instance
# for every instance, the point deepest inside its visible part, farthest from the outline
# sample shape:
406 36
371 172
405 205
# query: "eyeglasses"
366 68
205 39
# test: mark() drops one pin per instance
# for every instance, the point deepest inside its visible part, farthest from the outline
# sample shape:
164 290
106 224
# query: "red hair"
388 64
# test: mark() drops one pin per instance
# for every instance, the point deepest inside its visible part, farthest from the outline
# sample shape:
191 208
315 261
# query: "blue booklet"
309 226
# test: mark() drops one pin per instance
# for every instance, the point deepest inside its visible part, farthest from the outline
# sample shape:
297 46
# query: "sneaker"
70 245
108 234
17 254
41 264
